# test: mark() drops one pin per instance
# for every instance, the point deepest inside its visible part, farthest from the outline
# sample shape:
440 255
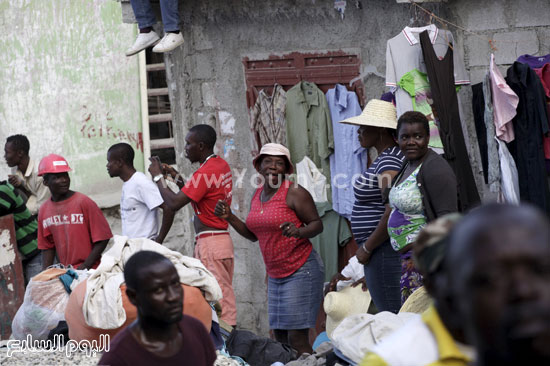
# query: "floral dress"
405 222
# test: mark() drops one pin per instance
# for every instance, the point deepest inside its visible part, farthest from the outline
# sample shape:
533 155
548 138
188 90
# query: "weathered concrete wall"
67 86
206 76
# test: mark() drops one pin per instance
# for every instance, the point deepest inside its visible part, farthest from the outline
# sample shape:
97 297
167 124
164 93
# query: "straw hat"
274 150
341 304
377 113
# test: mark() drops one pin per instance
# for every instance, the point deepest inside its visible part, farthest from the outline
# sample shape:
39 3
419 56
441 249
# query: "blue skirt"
294 301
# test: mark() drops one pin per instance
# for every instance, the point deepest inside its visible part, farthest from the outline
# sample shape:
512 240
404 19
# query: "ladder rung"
162 143
155 67
157 118
157 91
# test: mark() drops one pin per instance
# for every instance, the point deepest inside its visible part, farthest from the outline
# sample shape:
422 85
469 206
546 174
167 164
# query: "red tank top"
282 256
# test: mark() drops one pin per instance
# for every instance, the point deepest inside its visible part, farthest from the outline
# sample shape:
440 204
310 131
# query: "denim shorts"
294 301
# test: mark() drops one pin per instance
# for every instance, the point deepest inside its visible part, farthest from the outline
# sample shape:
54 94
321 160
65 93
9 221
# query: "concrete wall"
206 77
67 86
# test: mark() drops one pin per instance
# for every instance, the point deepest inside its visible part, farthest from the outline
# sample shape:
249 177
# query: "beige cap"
377 113
274 150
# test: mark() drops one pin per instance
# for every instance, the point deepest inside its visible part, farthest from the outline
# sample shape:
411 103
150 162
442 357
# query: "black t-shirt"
197 349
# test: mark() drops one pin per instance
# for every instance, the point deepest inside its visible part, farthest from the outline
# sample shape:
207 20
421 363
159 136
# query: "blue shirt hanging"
349 158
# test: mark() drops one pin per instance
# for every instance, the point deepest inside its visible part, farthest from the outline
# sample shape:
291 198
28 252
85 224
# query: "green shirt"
26 226
308 126
336 232
416 84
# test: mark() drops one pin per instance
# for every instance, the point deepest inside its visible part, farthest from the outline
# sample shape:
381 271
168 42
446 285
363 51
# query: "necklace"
205 160
261 203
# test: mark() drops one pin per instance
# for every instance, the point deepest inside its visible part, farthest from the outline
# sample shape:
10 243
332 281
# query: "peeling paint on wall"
227 123
228 146
7 254
67 86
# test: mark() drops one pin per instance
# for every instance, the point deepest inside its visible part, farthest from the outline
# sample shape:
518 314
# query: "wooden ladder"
159 111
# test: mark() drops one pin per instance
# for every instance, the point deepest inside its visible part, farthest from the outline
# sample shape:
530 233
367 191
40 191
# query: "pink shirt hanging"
505 102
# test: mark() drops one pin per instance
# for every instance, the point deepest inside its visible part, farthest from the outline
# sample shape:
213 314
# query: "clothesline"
446 22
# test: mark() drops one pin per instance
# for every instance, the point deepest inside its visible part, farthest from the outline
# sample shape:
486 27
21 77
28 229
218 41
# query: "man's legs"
170 15
144 13
145 17
173 38
216 253
32 267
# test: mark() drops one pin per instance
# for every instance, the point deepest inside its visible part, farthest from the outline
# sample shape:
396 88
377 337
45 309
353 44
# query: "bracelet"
365 249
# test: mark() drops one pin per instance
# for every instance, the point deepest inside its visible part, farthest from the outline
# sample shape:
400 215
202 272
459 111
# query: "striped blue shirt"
368 207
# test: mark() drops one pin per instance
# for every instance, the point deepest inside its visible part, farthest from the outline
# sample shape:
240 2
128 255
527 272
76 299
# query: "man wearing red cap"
69 224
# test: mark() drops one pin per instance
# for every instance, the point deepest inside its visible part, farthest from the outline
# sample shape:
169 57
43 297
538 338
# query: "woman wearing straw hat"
424 190
282 217
369 217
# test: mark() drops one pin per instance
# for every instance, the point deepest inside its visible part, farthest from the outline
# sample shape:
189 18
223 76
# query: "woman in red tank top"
282 218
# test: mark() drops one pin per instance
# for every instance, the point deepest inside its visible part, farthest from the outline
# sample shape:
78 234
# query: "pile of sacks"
95 302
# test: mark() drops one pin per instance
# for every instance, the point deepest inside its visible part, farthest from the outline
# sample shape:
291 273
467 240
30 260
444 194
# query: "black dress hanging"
442 84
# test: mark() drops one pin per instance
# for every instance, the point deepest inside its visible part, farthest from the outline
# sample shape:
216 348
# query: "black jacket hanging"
530 123
442 84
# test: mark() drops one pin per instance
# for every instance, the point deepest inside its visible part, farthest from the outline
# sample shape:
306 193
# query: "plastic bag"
42 309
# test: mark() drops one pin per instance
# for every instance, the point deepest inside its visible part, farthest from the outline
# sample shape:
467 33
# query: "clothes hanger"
415 21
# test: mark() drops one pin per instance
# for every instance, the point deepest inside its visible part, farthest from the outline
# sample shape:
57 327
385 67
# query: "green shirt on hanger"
308 126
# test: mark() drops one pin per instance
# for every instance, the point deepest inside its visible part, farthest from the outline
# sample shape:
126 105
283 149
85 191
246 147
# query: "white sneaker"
143 41
169 42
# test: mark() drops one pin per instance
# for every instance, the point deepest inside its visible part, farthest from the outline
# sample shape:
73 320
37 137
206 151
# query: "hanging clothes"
541 66
267 121
544 75
534 62
478 109
494 158
510 180
505 102
442 83
530 124
349 157
403 53
336 232
308 126
312 180
415 83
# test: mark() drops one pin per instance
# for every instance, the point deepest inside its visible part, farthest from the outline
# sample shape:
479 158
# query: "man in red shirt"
69 224
210 183
161 334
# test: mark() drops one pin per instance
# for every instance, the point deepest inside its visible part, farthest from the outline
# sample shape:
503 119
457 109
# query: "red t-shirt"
71 227
197 349
211 182
282 256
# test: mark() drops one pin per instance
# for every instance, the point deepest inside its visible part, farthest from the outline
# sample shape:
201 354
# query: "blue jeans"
32 267
382 274
146 17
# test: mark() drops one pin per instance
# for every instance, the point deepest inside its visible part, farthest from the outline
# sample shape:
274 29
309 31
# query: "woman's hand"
290 230
334 281
222 210
362 282
362 255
